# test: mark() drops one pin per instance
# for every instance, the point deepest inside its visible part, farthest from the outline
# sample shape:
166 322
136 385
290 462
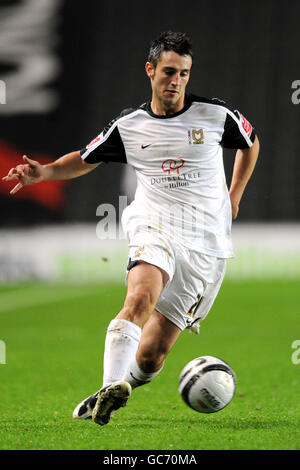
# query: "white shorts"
194 278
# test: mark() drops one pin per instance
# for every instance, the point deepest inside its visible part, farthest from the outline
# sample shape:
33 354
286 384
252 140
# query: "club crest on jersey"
172 165
245 124
196 136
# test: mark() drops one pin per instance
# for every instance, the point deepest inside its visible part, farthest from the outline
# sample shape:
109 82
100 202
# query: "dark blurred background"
70 67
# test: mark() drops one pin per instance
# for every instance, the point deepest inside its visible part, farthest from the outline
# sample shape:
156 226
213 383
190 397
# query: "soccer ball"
207 384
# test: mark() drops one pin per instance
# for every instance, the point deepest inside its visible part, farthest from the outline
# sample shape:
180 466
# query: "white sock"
137 377
121 343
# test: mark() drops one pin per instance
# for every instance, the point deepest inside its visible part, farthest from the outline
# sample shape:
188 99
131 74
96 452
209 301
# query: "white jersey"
178 159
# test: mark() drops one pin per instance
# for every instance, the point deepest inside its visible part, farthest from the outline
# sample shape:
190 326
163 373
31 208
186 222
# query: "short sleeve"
238 132
108 145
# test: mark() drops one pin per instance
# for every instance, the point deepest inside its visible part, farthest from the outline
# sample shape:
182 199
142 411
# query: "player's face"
169 79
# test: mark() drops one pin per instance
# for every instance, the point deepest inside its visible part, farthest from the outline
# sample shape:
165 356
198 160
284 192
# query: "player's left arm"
244 164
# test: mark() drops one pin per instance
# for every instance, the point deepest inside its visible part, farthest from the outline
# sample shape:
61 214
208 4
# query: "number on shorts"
192 311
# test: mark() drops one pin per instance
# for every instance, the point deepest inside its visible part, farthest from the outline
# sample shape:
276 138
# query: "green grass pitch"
54 339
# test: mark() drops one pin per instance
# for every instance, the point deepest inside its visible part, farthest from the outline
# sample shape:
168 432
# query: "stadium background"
71 67
68 68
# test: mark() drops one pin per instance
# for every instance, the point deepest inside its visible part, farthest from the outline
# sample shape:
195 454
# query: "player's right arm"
106 147
31 172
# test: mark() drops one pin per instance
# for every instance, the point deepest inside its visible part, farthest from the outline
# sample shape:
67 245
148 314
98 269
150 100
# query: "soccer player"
179 224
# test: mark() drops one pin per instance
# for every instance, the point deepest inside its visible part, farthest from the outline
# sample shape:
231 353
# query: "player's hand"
235 201
30 172
235 210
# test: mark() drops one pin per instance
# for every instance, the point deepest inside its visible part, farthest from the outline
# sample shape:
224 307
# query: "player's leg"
158 337
184 302
145 283
151 265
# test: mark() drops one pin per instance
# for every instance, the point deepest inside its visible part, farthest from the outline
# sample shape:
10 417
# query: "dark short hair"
169 41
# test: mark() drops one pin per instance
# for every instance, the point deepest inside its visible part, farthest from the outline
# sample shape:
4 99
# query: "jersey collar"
147 107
